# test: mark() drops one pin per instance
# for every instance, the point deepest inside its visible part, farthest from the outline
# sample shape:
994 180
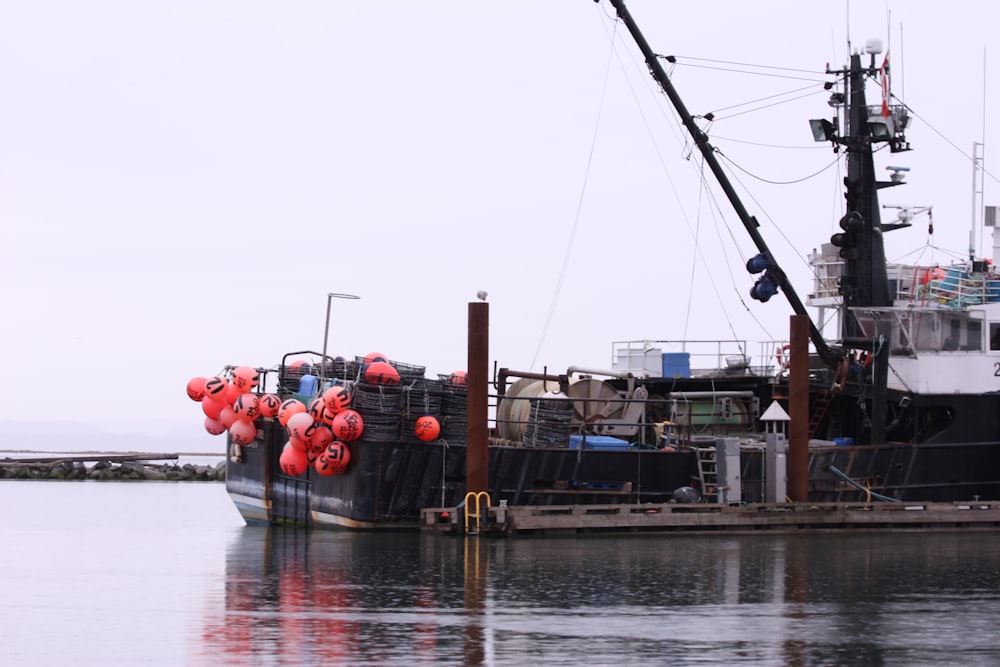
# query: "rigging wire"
579 207
766 106
946 139
759 143
683 139
739 64
742 71
768 97
764 180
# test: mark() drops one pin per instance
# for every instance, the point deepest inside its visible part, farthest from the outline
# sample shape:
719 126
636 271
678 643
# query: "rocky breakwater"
110 469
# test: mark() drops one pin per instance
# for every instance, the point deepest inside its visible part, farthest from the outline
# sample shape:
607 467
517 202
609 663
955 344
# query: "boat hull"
388 483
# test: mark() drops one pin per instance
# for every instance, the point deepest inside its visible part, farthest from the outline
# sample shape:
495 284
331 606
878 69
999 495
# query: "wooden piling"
798 409
477 434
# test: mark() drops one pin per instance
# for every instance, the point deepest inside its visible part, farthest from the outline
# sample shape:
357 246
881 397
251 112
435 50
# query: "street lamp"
326 332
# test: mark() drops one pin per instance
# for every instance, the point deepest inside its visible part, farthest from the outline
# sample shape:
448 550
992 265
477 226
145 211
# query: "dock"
714 519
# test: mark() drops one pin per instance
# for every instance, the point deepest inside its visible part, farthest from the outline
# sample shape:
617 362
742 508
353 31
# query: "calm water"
166 574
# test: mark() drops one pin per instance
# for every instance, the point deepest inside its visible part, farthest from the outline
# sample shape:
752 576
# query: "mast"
774 276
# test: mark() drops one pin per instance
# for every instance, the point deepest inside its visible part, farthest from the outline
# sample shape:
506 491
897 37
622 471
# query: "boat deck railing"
696 358
952 286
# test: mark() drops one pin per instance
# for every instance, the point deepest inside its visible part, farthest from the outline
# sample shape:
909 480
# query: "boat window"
995 335
951 341
973 335
926 332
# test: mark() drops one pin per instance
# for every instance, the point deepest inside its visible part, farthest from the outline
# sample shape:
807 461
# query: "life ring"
784 357
932 274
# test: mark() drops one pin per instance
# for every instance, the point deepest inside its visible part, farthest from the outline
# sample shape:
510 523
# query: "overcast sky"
182 183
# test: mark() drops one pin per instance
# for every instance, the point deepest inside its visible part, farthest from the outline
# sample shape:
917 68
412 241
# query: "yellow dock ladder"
476 496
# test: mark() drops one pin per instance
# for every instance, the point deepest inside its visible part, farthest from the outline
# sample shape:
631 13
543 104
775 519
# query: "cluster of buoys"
318 432
230 405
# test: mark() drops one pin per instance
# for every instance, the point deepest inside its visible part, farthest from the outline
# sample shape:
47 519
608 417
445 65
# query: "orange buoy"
381 372
214 427
227 416
288 408
300 445
231 393
269 404
196 389
458 377
245 378
212 406
321 436
427 428
338 454
337 399
215 387
243 432
317 408
293 461
372 357
247 407
299 424
325 466
348 425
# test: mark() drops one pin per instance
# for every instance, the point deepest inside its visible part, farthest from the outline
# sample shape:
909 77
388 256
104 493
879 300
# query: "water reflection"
294 597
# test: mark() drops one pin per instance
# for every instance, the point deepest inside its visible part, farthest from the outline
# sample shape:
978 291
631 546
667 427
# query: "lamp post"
326 331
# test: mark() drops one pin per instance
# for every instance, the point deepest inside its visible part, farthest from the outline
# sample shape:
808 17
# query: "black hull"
388 483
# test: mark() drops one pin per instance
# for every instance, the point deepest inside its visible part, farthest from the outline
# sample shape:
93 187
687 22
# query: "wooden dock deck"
771 518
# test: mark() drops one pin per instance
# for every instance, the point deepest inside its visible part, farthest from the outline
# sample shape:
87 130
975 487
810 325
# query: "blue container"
599 442
844 442
676 364
307 385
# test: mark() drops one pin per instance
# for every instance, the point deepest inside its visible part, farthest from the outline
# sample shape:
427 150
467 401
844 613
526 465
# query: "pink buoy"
212 406
427 428
269 404
227 416
348 425
214 427
293 462
242 432
245 378
289 408
196 389
381 372
299 424
247 407
337 399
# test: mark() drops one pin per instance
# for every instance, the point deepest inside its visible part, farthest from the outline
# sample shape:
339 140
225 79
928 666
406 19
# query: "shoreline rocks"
112 471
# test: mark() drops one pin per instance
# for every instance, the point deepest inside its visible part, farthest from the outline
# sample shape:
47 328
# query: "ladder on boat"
708 474
818 411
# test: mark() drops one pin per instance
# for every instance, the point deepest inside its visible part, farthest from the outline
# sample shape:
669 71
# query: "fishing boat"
902 403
